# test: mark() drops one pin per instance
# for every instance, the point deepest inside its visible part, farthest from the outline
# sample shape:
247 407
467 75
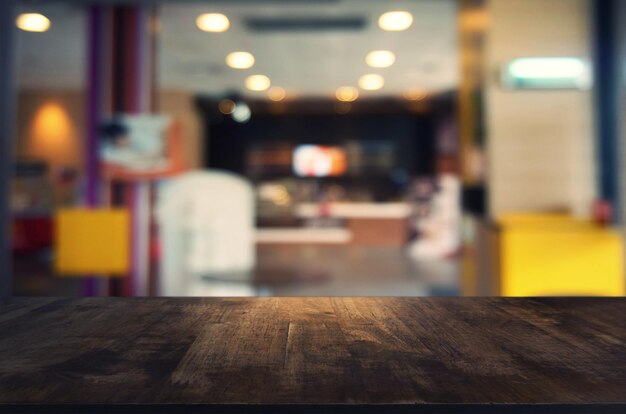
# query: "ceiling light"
395 21
240 60
380 58
258 82
347 94
414 95
242 113
33 22
371 82
226 106
213 22
276 93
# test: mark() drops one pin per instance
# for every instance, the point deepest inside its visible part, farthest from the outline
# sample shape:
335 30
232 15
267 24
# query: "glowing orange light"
51 134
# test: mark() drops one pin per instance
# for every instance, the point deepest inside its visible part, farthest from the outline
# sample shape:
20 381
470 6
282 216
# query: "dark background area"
411 136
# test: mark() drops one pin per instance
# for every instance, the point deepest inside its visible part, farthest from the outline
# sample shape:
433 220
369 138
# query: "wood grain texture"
273 351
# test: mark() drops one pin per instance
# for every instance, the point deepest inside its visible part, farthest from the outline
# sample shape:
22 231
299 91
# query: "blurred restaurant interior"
313 147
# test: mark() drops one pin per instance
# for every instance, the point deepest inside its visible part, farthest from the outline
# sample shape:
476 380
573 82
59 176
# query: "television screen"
319 161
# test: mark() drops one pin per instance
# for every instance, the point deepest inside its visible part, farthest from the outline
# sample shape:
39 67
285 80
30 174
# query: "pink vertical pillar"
120 81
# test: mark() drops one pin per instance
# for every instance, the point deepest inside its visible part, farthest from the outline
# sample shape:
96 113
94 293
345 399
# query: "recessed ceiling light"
242 113
33 22
258 82
213 22
371 82
240 60
347 94
414 95
395 21
226 106
380 58
276 93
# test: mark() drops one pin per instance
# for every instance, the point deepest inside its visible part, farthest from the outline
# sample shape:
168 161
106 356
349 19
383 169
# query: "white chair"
206 226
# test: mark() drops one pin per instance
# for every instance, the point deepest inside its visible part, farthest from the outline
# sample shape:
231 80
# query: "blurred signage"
547 73
319 161
140 146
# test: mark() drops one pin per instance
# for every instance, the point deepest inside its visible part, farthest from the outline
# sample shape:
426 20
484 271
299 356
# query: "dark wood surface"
421 353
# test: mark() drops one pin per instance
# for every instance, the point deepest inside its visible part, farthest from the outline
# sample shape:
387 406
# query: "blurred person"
438 234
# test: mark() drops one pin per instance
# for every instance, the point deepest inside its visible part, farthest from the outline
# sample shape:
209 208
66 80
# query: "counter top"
356 210
321 235
264 355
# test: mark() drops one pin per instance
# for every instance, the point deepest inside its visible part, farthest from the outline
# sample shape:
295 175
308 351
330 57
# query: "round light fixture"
347 94
33 22
276 93
240 60
258 82
371 82
241 113
213 22
226 106
395 21
380 58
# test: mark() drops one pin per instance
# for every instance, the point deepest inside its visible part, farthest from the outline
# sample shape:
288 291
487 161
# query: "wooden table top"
362 354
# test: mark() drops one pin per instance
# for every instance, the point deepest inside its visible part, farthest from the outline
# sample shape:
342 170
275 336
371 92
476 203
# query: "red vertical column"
120 81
